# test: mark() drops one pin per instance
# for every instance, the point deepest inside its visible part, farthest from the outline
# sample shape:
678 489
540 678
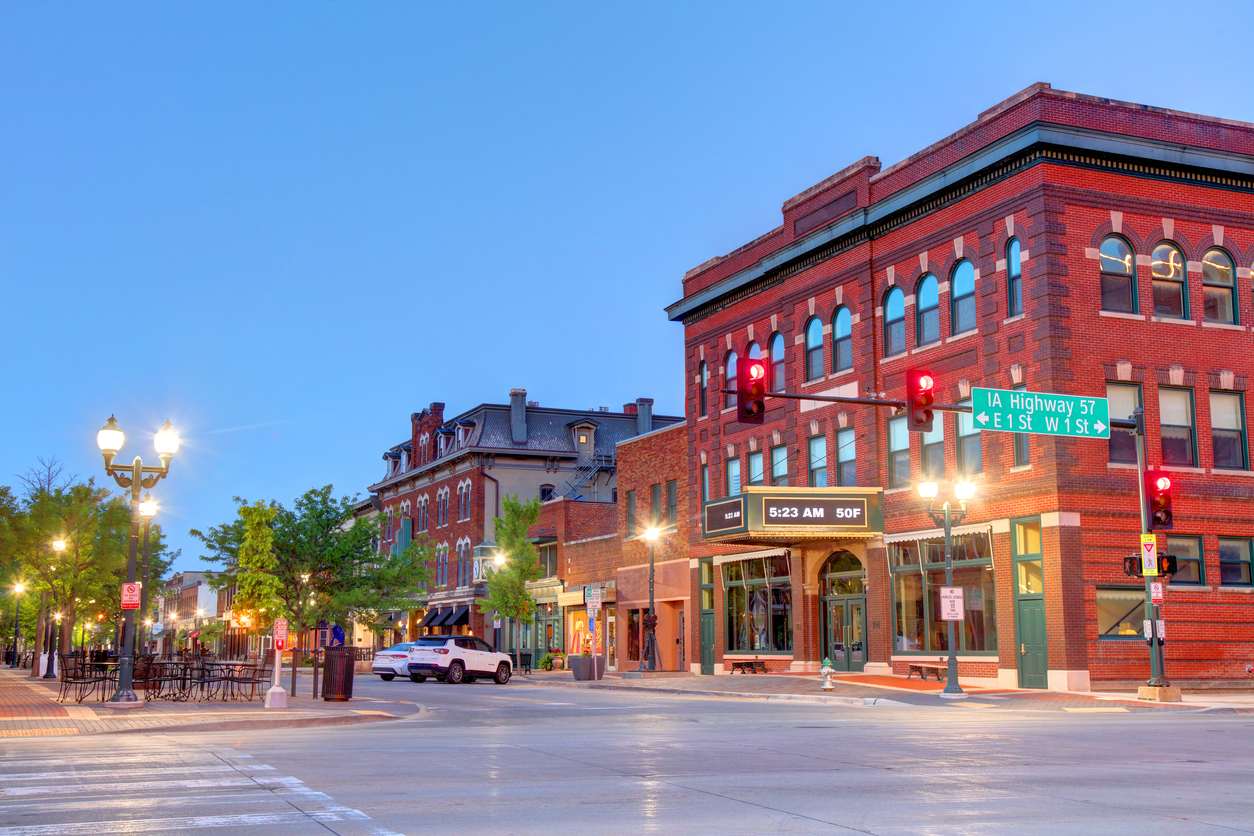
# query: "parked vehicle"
392 662
457 659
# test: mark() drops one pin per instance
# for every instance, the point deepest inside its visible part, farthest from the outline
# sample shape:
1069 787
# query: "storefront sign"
812 511
768 513
725 516
951 604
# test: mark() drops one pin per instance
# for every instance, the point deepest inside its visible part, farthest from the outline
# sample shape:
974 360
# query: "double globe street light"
947 517
137 477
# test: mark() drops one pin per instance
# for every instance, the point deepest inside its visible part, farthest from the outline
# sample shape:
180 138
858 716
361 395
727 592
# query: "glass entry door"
845 633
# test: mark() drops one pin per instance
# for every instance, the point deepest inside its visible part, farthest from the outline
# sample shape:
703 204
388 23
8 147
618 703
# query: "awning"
157 633
459 617
931 533
428 618
440 615
720 559
193 634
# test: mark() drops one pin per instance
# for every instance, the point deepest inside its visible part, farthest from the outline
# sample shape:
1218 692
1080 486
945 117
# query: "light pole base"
1159 693
123 699
276 697
946 695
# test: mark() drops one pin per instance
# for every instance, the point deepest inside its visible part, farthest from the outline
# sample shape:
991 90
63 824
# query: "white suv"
457 659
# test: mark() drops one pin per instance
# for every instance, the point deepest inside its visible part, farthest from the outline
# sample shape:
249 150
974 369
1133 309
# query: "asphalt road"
525 759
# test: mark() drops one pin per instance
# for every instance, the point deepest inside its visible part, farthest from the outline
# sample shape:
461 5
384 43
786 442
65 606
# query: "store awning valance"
193 634
720 559
933 533
459 617
428 618
440 615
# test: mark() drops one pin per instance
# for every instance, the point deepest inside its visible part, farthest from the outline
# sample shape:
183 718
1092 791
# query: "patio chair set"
167 678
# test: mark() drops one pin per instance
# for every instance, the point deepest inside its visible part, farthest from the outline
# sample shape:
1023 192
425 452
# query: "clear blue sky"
286 226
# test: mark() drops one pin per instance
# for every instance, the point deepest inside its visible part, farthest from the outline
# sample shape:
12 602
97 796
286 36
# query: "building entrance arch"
843 606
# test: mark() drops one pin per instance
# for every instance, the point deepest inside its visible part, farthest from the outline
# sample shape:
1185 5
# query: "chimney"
629 409
644 415
518 415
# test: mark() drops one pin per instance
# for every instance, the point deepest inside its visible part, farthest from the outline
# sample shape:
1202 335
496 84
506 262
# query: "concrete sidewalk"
866 689
29 708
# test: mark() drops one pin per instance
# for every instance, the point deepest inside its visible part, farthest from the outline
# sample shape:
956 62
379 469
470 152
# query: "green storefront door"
707 644
845 633
1030 626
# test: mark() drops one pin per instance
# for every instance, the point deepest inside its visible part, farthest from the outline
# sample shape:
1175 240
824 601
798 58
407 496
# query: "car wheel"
387 677
502 674
455 673
417 677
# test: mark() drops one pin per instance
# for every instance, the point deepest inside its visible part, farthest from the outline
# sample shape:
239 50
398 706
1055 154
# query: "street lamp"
17 614
137 477
947 517
147 509
650 620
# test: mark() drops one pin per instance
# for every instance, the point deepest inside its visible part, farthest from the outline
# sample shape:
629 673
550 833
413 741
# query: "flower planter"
586 668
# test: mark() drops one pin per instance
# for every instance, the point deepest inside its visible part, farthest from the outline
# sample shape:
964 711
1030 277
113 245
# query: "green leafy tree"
326 563
507 584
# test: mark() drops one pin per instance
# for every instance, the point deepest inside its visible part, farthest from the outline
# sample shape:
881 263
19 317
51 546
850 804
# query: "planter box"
586 668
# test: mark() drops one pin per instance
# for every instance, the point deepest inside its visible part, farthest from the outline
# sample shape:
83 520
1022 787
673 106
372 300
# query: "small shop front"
800 594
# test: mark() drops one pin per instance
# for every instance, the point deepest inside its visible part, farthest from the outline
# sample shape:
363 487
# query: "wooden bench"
924 667
751 666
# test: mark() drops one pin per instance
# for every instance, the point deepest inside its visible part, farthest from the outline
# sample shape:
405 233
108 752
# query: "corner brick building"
444 483
1061 243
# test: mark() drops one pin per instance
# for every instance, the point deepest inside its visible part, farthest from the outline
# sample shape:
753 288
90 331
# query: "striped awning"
720 559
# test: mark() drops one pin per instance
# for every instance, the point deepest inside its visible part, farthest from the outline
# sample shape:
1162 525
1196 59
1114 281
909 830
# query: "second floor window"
970 449
1124 398
1175 416
756 475
655 506
729 380
1014 279
846 461
779 466
814 348
1167 272
1227 430
672 502
927 311
898 453
1118 275
932 449
779 381
631 513
894 322
962 298
705 483
733 477
703 388
817 448
1217 287
842 340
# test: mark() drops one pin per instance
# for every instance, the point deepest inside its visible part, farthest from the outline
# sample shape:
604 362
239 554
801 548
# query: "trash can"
337 682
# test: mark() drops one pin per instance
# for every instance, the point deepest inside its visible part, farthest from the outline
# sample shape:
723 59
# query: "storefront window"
916 594
1120 613
633 635
759 606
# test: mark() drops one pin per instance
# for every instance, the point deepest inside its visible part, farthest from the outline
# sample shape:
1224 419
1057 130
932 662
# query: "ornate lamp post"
649 650
166 442
947 518
17 615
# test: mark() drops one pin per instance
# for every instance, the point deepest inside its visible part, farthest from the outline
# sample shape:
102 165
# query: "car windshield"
434 641
401 646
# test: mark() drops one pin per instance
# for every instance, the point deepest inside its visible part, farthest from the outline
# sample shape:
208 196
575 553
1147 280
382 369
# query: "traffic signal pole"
1157 674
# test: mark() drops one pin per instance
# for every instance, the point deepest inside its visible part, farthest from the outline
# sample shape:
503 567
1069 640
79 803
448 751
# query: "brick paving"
29 708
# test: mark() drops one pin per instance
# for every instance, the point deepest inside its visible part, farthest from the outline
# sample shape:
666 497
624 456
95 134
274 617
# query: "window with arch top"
842 340
778 377
1167 273
1218 285
894 322
1014 278
753 352
1118 275
962 298
729 380
703 388
814 348
927 311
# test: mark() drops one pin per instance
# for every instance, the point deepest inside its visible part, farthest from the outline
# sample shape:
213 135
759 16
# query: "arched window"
729 380
894 322
842 575
1167 271
546 493
778 379
754 353
1218 285
703 387
842 340
1118 275
926 311
1014 279
814 348
962 298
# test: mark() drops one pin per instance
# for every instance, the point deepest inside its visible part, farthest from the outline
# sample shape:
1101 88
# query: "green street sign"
1014 411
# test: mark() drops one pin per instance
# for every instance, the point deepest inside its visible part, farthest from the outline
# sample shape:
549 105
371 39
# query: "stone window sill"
844 373
892 357
962 336
1120 466
1224 471
1223 326
1175 468
1014 318
1120 315
1021 468
890 491
1240 590
1171 320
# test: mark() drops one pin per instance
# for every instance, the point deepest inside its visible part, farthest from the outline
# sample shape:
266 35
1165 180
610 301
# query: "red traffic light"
1158 500
750 390
919 400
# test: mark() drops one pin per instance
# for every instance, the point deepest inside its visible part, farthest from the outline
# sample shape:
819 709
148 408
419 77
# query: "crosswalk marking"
119 794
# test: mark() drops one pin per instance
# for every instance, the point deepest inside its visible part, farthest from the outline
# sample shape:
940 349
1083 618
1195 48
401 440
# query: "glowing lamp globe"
651 534
927 490
110 438
964 490
166 441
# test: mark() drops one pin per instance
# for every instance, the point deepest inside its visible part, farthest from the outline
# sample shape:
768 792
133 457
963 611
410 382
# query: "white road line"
130 773
156 825
146 759
133 803
83 789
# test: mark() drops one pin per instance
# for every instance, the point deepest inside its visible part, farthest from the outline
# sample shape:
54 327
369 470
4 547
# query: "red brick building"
445 483
1061 243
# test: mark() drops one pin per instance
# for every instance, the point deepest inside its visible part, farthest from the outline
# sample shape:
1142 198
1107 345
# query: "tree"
507 585
326 563
258 589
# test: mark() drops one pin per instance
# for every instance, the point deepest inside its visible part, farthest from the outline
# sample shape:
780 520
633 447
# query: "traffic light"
1167 564
1158 499
750 390
1132 565
919 400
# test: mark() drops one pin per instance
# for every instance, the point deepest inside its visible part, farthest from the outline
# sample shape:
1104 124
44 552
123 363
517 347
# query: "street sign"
130 596
592 597
1149 555
1147 628
1161 625
496 624
951 603
1012 411
280 630
1156 592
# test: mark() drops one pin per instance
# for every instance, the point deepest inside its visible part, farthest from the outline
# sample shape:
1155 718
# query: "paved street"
529 758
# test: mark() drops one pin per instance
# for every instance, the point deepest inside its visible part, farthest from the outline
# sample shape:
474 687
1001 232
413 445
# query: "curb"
261 725
802 698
